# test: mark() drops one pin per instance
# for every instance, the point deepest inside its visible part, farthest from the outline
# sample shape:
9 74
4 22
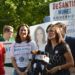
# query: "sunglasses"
50 30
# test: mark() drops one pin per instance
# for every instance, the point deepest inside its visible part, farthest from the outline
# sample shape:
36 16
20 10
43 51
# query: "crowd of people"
23 50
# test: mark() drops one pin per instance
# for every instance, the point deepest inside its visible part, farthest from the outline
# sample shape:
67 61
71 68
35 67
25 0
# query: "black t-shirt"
57 58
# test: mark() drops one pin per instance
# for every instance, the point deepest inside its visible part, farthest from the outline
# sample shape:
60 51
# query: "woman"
2 59
21 50
70 40
59 52
39 37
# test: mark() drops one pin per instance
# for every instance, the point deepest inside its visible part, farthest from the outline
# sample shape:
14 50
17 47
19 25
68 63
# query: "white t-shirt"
42 47
22 52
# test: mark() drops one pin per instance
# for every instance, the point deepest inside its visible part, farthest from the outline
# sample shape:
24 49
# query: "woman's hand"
35 52
23 73
53 70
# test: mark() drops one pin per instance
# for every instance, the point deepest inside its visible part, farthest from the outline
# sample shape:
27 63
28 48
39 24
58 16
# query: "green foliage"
14 12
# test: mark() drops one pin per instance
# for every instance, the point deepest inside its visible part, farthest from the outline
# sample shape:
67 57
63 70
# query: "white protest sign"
64 11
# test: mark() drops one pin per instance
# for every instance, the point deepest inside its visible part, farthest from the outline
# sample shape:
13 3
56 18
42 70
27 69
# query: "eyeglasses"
10 31
50 30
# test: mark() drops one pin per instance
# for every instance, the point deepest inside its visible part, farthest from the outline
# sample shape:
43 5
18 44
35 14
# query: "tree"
32 12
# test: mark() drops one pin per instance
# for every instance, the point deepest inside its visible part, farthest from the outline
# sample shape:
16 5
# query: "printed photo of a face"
39 37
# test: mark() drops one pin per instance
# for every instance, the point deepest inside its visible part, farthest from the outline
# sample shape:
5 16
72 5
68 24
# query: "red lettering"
57 6
73 3
66 5
70 3
60 4
63 4
54 6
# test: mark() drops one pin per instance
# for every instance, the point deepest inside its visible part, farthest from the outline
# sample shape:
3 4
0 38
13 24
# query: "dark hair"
57 36
39 27
48 27
28 38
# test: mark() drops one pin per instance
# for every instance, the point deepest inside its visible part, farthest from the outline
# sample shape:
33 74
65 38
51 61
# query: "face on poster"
38 34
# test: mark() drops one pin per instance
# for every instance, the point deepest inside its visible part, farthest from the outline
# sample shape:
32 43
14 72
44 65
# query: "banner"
64 11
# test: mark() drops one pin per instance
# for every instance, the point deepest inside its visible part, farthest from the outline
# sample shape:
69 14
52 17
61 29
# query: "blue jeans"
21 69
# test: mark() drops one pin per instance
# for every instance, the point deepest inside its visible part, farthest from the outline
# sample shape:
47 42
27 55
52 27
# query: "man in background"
7 40
7 33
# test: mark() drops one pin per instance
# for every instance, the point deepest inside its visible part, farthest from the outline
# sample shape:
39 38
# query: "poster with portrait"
64 11
38 34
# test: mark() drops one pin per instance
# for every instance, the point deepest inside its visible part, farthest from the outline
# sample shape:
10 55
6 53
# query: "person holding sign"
59 53
2 59
21 50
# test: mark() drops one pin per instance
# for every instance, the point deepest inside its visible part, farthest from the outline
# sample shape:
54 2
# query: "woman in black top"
59 52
